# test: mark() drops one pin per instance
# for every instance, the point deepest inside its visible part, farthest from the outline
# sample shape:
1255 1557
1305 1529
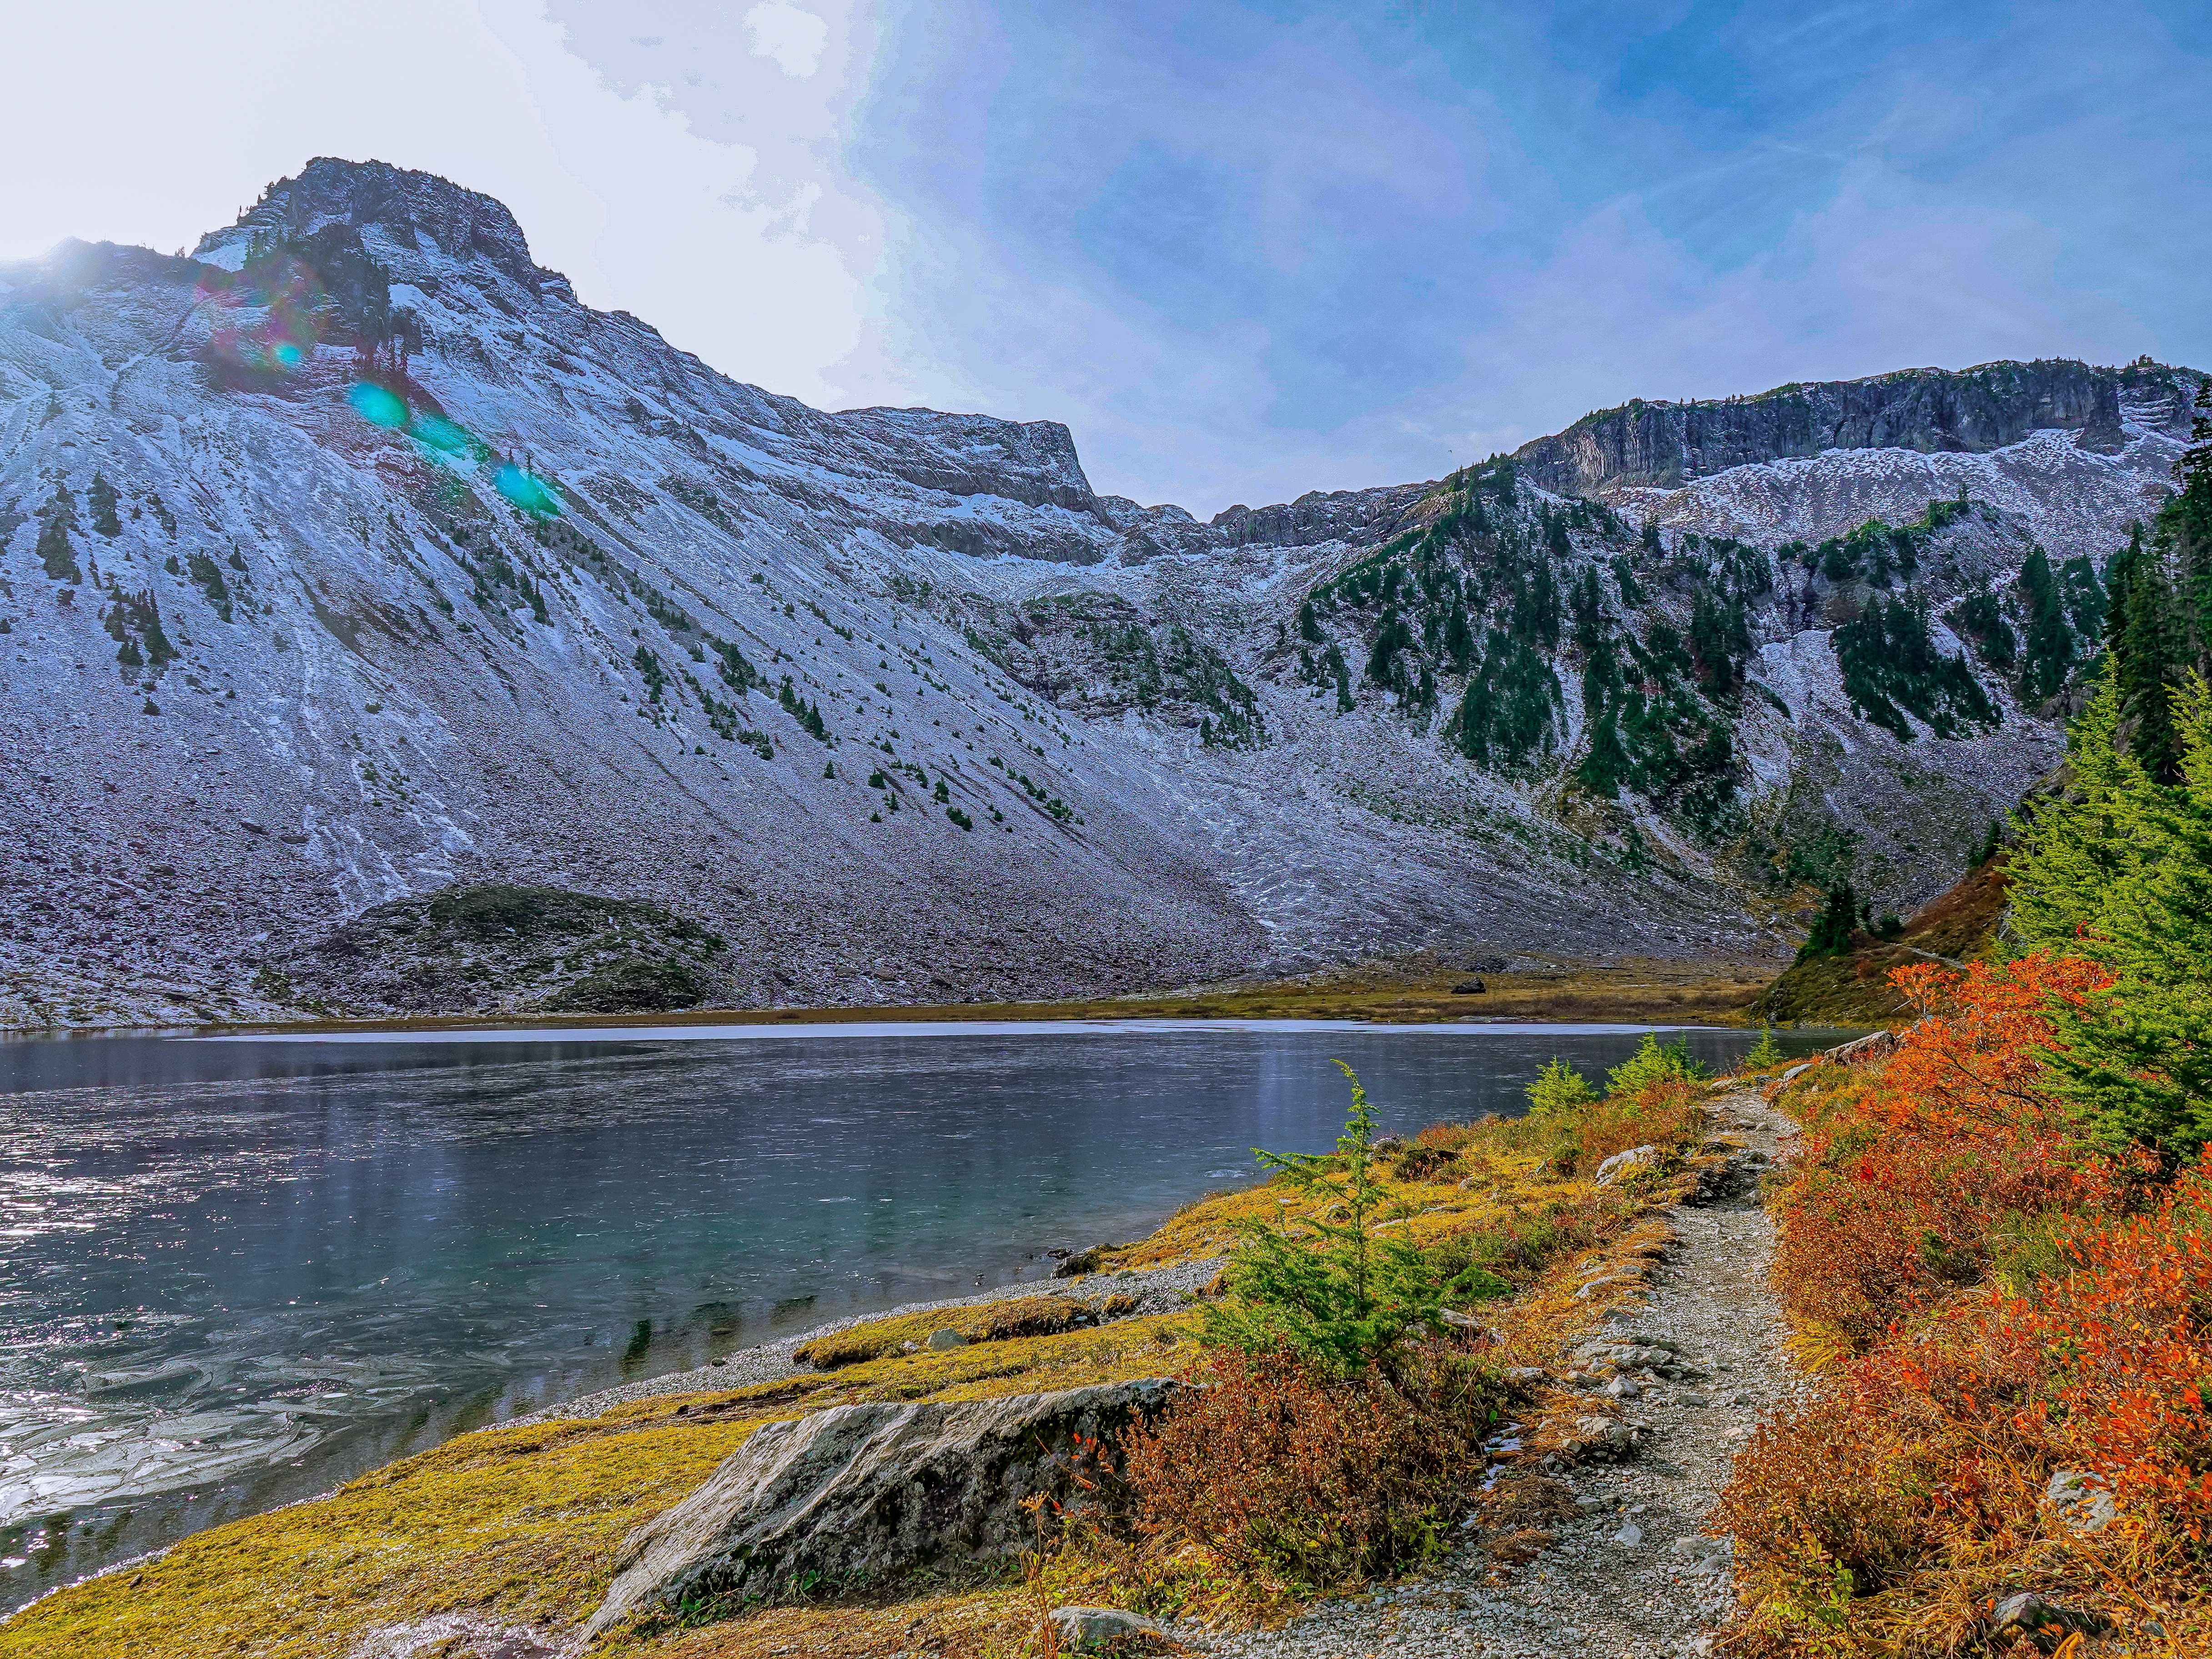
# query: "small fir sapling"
1654 1061
1341 1301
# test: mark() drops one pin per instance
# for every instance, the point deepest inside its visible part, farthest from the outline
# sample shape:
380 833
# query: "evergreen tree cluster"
808 714
1495 589
134 622
1891 667
2158 622
2043 634
57 552
1151 668
1877 552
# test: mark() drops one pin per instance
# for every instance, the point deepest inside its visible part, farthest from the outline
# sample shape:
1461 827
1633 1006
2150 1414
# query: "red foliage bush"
1917 1474
1280 1473
1917 1182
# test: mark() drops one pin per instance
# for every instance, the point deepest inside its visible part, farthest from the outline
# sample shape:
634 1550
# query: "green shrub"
1653 1062
1559 1088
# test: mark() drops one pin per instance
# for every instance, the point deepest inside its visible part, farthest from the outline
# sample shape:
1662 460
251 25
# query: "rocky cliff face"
352 559
1926 411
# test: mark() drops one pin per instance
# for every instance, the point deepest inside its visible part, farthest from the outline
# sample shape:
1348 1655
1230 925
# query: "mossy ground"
516 1528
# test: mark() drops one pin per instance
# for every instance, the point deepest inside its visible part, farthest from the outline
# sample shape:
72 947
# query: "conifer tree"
2125 878
2185 527
1343 1299
1833 926
101 498
55 552
2072 848
2147 646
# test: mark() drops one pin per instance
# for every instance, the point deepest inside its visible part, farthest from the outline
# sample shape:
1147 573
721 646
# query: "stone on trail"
871 1491
1085 1628
947 1337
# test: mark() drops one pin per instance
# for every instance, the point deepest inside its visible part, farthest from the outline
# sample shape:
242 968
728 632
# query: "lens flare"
453 446
526 491
446 442
373 402
267 318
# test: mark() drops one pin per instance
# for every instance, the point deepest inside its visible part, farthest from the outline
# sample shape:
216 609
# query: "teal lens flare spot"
526 491
434 432
373 403
291 356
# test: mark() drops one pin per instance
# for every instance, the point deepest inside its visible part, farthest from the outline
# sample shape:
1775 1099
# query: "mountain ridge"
343 565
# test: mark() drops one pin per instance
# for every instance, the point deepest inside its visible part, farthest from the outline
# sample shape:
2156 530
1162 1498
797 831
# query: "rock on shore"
870 1491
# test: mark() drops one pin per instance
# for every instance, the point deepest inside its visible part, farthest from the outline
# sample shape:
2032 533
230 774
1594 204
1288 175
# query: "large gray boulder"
862 1492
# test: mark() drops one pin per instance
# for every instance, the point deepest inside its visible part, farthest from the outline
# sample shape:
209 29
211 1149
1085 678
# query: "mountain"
352 562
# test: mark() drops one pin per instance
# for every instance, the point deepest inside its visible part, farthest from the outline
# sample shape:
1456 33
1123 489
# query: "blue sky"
1244 251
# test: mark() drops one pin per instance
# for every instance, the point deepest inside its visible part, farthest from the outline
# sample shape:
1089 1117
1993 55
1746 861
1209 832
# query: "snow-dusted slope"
353 557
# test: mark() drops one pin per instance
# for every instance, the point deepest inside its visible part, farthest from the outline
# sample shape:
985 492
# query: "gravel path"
1157 1291
1634 1577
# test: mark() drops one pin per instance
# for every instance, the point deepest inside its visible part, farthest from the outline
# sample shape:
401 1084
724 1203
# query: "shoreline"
1636 990
1155 1290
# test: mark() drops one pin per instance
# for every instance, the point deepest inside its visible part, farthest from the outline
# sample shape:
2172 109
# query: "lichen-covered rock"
872 1491
2083 1507
2048 1623
1859 1051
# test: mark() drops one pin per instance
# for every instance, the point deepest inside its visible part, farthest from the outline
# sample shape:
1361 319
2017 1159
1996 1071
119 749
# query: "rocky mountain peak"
410 207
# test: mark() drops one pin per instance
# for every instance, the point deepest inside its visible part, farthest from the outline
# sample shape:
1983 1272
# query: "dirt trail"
1633 1577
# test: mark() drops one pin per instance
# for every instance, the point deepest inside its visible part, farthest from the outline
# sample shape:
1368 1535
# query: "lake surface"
234 1274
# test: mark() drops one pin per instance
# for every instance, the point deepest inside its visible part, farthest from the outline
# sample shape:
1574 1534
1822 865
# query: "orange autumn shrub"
1669 1113
2126 1341
1929 1461
1921 1179
2020 1303
1284 1475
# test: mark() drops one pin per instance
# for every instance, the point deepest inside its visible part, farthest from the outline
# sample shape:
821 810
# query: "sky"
1242 251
